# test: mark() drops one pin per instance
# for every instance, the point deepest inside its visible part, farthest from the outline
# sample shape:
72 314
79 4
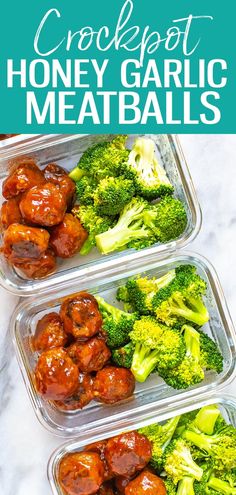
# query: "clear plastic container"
150 397
226 403
66 151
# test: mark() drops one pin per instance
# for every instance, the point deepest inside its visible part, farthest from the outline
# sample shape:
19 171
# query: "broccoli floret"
93 223
140 291
85 188
122 294
213 483
124 355
182 298
221 447
167 219
211 357
142 167
179 463
112 194
117 324
160 437
155 346
201 487
186 486
184 421
104 159
219 424
129 227
220 486
189 372
170 486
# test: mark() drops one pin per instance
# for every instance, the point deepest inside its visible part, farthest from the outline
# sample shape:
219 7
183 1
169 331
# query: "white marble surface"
25 445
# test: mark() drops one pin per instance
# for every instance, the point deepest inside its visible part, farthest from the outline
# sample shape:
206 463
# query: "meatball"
43 205
49 333
99 447
128 453
82 396
90 356
58 175
113 384
146 483
56 375
39 268
25 176
21 243
10 213
80 316
68 237
81 473
121 483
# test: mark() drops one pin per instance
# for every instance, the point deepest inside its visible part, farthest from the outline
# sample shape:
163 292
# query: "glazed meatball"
128 453
39 268
82 396
22 243
113 384
43 205
56 375
81 473
58 175
90 356
49 333
10 213
68 237
80 316
25 176
121 483
146 483
99 448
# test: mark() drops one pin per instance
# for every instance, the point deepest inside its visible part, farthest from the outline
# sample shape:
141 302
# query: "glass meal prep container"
152 395
226 404
66 151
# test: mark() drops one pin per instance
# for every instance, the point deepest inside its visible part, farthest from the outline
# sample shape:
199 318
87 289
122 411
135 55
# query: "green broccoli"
189 372
186 486
156 346
213 483
102 160
129 227
124 355
185 420
170 486
221 447
117 324
112 194
85 188
160 437
140 291
178 462
205 419
167 219
211 357
93 223
182 298
142 167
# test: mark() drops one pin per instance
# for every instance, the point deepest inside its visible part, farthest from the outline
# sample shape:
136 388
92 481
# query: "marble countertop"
25 445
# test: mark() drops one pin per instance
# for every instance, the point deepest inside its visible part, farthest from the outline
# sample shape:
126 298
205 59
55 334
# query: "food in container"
64 416
66 151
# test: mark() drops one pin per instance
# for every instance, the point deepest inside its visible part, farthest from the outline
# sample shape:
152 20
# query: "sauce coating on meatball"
21 243
68 237
80 316
39 268
10 213
91 355
43 205
81 473
59 176
23 177
128 453
49 333
113 384
56 376
146 483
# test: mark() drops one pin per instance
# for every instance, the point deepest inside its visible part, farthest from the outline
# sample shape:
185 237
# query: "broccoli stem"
188 465
198 439
198 314
76 174
221 486
206 418
144 362
185 486
120 236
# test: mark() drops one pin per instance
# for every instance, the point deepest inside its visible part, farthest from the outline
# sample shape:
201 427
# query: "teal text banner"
127 66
